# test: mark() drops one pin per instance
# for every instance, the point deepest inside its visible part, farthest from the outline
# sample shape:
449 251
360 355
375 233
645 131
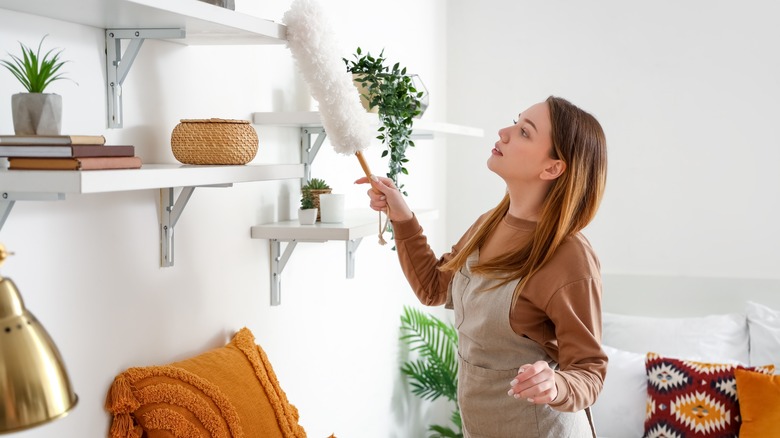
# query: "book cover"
51 139
74 163
80 150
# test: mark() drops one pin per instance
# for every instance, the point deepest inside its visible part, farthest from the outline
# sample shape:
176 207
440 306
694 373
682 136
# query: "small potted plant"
316 187
36 112
307 214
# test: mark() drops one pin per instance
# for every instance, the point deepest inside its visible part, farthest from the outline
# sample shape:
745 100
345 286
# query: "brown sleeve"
419 263
575 310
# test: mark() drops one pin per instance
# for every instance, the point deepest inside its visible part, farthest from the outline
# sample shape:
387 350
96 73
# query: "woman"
524 282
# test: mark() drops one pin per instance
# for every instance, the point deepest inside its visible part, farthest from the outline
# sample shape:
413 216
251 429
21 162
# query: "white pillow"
619 412
714 338
764 326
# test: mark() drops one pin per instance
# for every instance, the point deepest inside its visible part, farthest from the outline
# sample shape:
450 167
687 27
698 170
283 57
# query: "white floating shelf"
355 225
203 23
150 176
50 185
309 119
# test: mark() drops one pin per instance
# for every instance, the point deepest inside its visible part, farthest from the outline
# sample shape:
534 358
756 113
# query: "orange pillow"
759 399
230 391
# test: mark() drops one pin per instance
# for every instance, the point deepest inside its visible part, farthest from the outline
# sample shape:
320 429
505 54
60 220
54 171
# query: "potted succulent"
307 214
316 187
392 92
36 112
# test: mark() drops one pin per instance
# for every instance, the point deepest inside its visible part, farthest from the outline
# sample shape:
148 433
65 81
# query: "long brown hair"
571 203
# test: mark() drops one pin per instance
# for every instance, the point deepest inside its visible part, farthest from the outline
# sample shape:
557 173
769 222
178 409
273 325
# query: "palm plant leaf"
443 432
434 373
456 419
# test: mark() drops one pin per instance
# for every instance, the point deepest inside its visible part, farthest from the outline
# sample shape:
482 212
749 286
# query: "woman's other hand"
384 194
535 383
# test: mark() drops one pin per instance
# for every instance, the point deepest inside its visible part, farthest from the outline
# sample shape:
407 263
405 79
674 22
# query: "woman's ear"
554 170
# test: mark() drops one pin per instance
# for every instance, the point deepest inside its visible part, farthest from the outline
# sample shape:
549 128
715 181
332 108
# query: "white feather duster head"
315 50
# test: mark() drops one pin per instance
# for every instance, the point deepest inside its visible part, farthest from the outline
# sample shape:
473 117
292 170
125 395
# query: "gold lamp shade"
34 386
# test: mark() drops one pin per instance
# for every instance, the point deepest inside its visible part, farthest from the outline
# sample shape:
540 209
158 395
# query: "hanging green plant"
391 91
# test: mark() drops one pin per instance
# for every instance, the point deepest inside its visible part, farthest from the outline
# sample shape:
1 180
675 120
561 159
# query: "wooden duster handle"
368 173
363 164
366 170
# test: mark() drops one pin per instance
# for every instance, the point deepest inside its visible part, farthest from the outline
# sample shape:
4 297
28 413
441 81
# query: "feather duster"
315 50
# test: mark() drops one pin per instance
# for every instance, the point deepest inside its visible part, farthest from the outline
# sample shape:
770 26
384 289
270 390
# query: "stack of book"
66 152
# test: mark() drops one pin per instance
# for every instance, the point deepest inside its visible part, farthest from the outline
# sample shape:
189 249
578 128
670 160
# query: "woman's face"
522 152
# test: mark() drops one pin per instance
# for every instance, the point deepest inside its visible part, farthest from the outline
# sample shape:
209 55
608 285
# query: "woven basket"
214 141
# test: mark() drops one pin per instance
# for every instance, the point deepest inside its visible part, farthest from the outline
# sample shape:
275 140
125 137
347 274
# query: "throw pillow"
759 403
619 410
692 399
713 338
229 391
764 327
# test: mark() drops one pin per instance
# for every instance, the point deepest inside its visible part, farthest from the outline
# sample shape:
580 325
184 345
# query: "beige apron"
490 353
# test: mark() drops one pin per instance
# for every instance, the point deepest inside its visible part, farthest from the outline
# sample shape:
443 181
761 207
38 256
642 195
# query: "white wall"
687 93
88 267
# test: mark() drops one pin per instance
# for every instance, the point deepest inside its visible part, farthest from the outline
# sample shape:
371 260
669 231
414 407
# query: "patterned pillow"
692 399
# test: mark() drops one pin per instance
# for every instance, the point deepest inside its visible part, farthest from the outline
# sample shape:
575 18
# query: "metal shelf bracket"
8 199
170 212
118 65
279 260
310 149
352 246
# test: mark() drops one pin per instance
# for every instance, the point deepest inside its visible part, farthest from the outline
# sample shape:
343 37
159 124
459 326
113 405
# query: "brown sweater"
560 306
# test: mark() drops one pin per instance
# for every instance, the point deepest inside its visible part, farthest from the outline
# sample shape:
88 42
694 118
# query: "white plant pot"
37 113
332 208
308 216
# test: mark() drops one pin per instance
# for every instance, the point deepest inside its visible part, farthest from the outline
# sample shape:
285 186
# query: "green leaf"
443 432
316 184
34 72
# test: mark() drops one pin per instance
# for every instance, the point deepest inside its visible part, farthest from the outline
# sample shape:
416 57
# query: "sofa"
705 376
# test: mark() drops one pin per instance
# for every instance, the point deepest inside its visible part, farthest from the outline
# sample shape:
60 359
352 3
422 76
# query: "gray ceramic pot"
37 113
